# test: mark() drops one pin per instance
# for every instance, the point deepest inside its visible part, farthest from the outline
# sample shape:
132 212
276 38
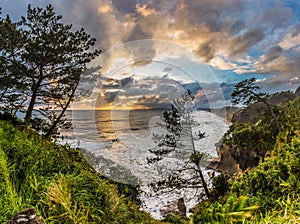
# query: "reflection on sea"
111 123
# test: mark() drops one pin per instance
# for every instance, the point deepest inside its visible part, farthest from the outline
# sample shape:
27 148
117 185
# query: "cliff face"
252 134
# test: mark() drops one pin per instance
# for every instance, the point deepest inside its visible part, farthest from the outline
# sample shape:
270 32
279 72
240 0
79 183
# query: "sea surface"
117 144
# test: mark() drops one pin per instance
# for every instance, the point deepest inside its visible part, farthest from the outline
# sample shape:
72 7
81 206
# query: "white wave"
130 149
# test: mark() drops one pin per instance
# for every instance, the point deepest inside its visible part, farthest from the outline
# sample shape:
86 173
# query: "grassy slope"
58 182
271 191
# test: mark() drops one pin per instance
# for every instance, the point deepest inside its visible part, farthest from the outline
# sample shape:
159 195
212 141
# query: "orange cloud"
144 10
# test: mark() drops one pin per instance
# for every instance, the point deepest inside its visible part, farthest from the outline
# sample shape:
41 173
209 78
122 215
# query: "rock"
181 207
115 140
193 209
178 208
245 158
27 216
226 163
211 174
297 92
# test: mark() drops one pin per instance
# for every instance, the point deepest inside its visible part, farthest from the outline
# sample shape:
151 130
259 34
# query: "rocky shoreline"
224 163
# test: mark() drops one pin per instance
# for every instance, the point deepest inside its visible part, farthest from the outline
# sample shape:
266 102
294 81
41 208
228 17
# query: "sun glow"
114 107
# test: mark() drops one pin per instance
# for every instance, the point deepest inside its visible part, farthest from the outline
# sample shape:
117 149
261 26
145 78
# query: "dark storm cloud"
273 53
210 95
211 90
214 95
105 98
138 34
212 12
101 18
111 85
296 30
153 102
155 93
279 83
125 6
193 87
84 15
110 96
141 63
158 93
244 42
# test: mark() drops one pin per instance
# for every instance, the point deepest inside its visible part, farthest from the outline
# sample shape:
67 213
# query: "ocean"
118 143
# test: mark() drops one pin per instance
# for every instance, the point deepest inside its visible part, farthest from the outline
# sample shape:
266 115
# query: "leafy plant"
233 211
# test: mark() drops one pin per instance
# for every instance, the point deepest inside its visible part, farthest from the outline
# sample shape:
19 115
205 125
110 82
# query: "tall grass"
58 182
10 203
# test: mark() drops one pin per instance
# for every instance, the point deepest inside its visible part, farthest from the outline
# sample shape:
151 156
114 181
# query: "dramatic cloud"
244 37
273 53
244 42
159 93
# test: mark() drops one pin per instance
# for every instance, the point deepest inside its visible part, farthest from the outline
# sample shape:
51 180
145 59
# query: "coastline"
213 124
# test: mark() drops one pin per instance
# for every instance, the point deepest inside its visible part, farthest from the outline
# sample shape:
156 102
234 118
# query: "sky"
154 49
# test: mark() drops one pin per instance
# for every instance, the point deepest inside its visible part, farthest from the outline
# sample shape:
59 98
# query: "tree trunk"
3 93
30 107
198 165
274 116
54 124
203 181
35 89
271 111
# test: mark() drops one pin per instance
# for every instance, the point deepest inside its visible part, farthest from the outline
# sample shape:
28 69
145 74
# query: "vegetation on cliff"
269 192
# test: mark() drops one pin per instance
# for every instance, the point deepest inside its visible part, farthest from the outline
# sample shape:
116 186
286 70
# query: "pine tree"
179 142
48 60
246 92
